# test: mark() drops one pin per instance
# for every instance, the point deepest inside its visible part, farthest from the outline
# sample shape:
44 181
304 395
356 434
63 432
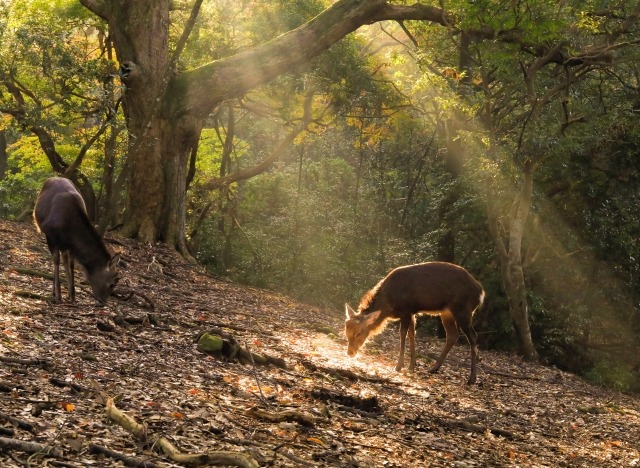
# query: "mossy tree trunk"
165 111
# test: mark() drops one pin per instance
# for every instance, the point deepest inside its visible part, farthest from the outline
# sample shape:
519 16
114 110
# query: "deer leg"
412 343
68 270
467 328
451 328
56 275
405 322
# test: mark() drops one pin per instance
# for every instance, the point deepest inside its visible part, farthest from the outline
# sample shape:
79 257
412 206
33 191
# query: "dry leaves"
60 364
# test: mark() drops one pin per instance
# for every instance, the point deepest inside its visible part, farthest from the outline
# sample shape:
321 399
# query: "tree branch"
249 172
185 34
83 151
205 87
96 6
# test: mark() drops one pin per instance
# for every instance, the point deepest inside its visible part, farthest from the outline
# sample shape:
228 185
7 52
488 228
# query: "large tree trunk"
180 137
140 35
165 111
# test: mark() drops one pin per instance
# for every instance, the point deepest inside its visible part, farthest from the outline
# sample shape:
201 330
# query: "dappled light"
243 169
530 233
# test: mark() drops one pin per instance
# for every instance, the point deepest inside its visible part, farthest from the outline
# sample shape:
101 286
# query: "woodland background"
506 142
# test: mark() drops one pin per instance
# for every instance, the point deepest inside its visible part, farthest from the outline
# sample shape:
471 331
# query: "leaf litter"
62 365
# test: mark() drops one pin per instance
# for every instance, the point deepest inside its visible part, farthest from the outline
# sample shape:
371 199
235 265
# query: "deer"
61 215
433 288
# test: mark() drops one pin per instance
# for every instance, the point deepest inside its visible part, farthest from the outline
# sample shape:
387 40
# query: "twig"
128 461
29 447
255 374
19 423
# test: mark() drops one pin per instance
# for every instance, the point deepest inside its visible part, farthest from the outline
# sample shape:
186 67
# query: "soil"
125 384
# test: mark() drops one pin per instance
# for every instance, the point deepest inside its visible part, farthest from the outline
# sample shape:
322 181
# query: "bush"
613 375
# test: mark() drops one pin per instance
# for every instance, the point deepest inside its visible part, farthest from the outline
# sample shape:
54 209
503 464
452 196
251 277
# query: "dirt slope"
59 365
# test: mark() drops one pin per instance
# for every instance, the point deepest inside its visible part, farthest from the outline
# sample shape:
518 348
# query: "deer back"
60 214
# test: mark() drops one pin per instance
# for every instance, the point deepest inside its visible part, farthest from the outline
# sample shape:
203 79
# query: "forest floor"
125 385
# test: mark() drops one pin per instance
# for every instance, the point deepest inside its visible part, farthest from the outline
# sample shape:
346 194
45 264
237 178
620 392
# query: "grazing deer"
434 288
60 214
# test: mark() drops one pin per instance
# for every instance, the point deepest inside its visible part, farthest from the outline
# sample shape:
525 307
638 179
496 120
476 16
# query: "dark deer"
60 214
434 288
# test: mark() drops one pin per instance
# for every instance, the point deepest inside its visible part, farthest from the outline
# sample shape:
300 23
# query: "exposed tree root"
198 459
30 272
344 373
19 423
44 363
289 415
29 447
229 348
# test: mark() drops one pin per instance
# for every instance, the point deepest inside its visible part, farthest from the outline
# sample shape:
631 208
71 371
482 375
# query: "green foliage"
371 185
55 83
613 375
28 168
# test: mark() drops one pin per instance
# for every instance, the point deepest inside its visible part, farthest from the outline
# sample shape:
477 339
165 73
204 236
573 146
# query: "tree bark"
518 291
510 257
165 111
4 160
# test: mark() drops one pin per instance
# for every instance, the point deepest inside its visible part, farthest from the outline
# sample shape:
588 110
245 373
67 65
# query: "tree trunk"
518 291
4 163
449 131
165 110
180 137
510 258
140 36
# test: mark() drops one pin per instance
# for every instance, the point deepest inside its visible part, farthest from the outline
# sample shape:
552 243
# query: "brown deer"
434 288
60 214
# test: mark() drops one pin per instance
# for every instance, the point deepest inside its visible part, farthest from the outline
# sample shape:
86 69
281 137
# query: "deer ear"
349 312
372 317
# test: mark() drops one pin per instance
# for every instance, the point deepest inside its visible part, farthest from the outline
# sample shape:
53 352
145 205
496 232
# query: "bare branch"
273 157
185 34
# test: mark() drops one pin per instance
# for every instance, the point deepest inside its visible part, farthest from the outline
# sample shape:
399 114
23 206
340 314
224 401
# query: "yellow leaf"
317 441
68 406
